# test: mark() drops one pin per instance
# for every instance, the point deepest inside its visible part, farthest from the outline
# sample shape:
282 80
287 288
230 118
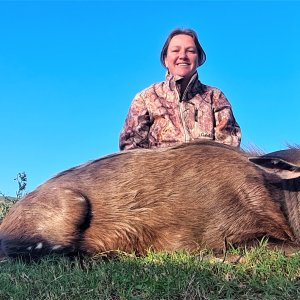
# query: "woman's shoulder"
215 95
155 88
210 89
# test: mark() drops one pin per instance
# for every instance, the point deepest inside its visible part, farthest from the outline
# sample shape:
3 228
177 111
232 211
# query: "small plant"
9 201
22 182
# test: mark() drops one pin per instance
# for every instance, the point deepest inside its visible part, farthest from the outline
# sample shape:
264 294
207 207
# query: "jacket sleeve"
135 131
227 130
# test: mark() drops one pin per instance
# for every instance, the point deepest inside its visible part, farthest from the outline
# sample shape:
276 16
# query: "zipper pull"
196 115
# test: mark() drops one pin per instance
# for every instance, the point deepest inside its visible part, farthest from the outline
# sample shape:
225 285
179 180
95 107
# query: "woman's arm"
136 128
227 130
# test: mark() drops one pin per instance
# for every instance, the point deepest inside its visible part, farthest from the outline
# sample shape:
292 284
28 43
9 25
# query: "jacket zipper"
181 106
180 103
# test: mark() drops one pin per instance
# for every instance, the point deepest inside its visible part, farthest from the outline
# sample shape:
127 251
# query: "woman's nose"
182 54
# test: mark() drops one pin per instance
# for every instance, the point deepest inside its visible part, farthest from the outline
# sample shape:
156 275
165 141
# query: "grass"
261 274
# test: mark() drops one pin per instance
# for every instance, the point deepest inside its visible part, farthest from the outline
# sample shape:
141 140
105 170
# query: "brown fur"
181 198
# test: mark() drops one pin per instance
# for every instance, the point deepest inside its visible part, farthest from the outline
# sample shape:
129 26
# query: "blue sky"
70 69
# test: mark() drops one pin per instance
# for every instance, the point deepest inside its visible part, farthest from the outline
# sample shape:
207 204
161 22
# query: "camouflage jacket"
159 116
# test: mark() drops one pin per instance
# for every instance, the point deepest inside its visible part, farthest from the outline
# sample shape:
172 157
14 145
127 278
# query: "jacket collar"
194 86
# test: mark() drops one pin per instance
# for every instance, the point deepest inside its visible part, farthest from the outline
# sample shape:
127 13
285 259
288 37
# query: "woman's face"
182 56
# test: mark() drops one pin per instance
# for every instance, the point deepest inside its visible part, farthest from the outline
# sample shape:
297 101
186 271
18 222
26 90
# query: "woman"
181 108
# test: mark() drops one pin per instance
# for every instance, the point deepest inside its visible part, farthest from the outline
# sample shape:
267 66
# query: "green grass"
261 274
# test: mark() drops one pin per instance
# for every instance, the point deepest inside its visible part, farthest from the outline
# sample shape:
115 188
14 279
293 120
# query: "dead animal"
185 197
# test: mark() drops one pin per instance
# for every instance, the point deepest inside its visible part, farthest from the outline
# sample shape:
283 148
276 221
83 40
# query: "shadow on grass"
260 274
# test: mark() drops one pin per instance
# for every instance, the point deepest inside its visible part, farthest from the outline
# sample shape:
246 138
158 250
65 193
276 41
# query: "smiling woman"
180 109
182 57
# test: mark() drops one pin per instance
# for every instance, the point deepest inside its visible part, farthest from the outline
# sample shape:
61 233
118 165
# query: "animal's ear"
277 165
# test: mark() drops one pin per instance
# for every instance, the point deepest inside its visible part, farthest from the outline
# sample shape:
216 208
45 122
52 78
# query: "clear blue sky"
69 71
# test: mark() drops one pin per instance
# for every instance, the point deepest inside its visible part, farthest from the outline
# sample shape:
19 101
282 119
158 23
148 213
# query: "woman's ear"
166 63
